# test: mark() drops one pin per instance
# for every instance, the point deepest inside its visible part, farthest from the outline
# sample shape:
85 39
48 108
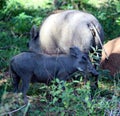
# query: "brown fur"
112 48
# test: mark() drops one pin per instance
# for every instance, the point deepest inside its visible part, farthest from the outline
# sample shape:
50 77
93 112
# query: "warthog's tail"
96 33
10 68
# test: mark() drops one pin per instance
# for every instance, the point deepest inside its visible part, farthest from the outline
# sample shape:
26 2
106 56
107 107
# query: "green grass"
34 4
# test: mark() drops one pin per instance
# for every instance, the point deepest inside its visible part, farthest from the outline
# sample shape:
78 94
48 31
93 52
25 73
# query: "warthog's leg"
16 80
25 87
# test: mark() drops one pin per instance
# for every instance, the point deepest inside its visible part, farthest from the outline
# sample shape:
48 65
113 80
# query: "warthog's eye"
84 59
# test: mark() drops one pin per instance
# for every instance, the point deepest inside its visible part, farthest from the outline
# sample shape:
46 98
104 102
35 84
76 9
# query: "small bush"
75 100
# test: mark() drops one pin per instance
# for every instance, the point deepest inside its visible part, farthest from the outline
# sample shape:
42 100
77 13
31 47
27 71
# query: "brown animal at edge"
112 48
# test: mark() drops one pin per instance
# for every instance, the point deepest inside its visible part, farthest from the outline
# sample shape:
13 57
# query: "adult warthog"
65 29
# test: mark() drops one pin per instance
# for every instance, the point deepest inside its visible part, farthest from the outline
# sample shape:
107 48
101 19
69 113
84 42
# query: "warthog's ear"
75 51
34 32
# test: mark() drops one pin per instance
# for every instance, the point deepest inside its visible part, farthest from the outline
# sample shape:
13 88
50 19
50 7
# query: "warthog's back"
62 30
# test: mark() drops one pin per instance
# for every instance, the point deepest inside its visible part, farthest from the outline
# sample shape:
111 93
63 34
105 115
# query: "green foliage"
2 3
75 100
20 23
17 17
109 16
11 46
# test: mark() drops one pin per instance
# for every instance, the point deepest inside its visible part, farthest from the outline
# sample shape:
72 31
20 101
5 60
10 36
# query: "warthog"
33 67
112 48
65 29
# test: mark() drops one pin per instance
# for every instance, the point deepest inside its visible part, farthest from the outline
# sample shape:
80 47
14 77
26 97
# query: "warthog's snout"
95 73
91 71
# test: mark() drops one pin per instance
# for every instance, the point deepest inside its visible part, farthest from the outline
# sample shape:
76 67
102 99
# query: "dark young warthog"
33 67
